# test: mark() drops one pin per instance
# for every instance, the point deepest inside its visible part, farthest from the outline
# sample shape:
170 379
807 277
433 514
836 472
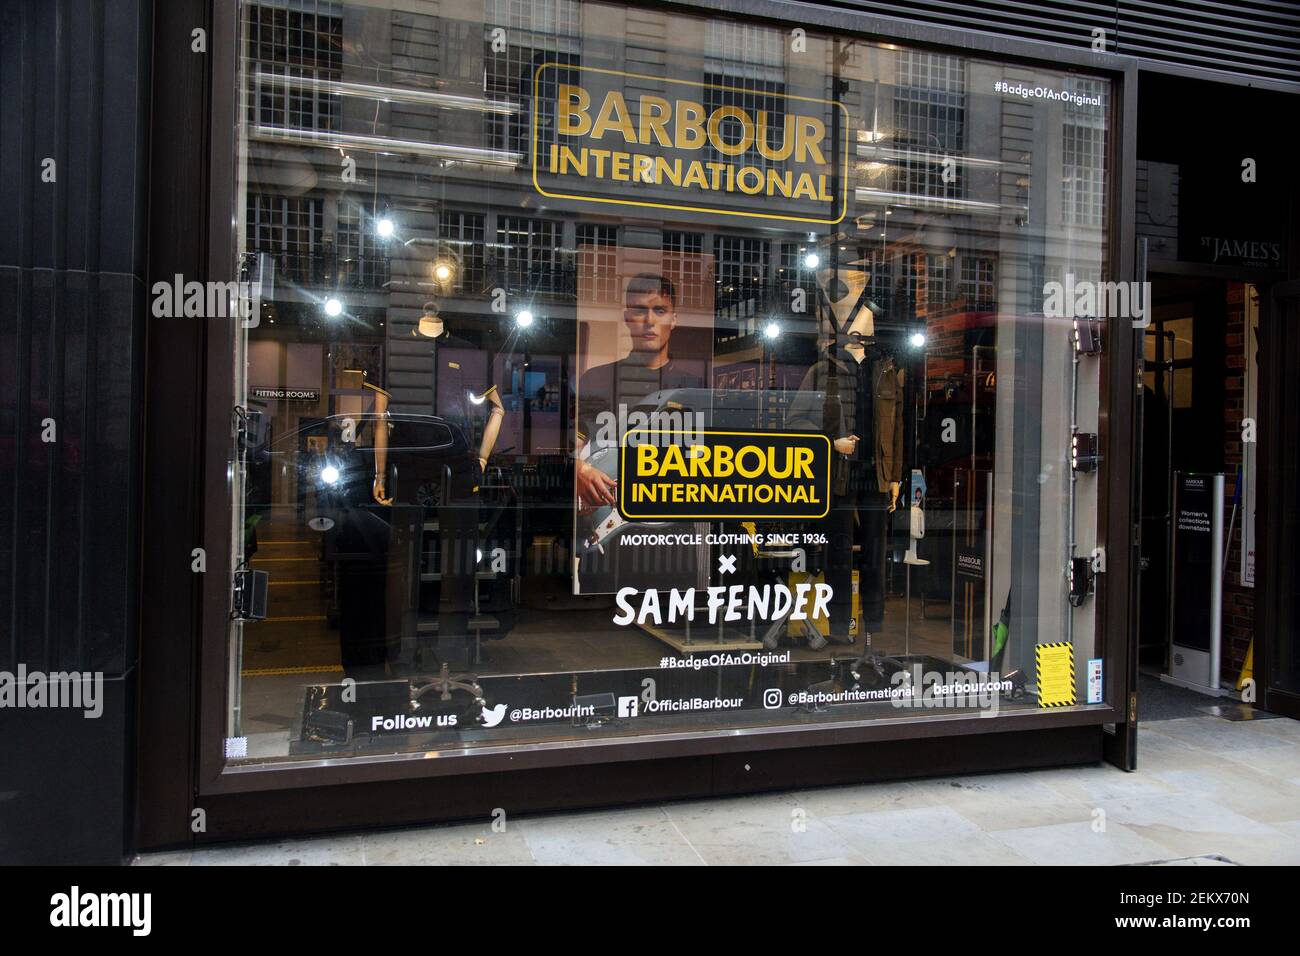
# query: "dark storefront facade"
427 411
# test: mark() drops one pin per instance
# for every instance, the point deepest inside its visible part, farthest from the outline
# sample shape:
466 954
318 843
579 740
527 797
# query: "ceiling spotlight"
917 340
442 272
812 260
333 307
772 330
384 227
523 319
330 475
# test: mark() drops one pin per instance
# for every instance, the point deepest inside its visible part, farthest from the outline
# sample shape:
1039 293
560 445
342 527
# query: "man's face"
650 319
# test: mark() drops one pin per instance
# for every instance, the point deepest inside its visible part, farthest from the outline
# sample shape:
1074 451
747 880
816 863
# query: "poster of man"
645 356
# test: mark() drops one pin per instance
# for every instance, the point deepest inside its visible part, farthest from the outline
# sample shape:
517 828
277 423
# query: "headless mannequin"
458 517
861 514
861 329
431 326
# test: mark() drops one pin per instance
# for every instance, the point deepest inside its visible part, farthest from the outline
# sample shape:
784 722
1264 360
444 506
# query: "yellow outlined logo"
725 178
723 475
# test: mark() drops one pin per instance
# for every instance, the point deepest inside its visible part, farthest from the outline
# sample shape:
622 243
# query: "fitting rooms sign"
602 136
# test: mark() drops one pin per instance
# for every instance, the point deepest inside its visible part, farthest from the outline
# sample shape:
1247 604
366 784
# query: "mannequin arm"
378 488
492 429
898 443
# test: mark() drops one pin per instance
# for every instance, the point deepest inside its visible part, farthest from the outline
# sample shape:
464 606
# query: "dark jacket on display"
840 396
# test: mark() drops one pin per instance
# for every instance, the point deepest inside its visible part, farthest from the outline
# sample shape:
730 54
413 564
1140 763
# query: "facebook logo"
628 706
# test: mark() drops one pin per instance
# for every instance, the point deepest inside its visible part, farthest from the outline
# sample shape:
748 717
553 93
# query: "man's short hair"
651 283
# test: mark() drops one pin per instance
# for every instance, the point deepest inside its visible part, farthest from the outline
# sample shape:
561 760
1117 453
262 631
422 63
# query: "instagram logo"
772 698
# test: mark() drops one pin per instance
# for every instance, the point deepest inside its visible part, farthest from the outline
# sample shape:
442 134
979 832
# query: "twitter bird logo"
492 716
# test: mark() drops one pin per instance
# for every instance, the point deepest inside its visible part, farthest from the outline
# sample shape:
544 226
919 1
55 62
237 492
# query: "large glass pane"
619 371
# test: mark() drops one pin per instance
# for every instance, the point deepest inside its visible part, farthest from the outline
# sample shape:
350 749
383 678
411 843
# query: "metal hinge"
248 594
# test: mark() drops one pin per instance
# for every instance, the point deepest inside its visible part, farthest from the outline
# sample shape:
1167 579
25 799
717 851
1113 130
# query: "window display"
619 371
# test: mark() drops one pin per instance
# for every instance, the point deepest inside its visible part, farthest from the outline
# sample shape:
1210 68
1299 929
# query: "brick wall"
1238 601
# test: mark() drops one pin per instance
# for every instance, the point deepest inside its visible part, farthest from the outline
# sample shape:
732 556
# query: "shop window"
740 265
520 36
879 265
938 282
744 71
1180 337
598 262
685 264
930 116
491 459
290 230
795 271
1083 194
528 256
753 96
465 235
293 51
978 283
362 253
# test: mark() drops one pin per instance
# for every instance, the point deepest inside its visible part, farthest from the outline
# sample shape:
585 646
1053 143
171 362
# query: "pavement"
1208 792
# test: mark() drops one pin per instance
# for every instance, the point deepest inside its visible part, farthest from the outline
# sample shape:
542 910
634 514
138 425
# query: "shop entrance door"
1277 650
1182 387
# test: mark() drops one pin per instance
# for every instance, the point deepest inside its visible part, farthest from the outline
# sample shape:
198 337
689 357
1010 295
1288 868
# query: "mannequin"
861 414
462 399
362 533
432 327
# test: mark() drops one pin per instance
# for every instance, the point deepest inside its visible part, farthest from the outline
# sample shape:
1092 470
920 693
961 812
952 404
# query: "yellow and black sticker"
1055 666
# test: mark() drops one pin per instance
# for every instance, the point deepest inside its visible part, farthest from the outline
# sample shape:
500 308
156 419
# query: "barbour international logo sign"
598 136
708 475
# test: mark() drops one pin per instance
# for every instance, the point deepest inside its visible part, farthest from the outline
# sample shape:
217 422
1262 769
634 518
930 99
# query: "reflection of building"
926 145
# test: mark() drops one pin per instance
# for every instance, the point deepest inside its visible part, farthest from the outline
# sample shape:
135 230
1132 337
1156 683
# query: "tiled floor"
1209 792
